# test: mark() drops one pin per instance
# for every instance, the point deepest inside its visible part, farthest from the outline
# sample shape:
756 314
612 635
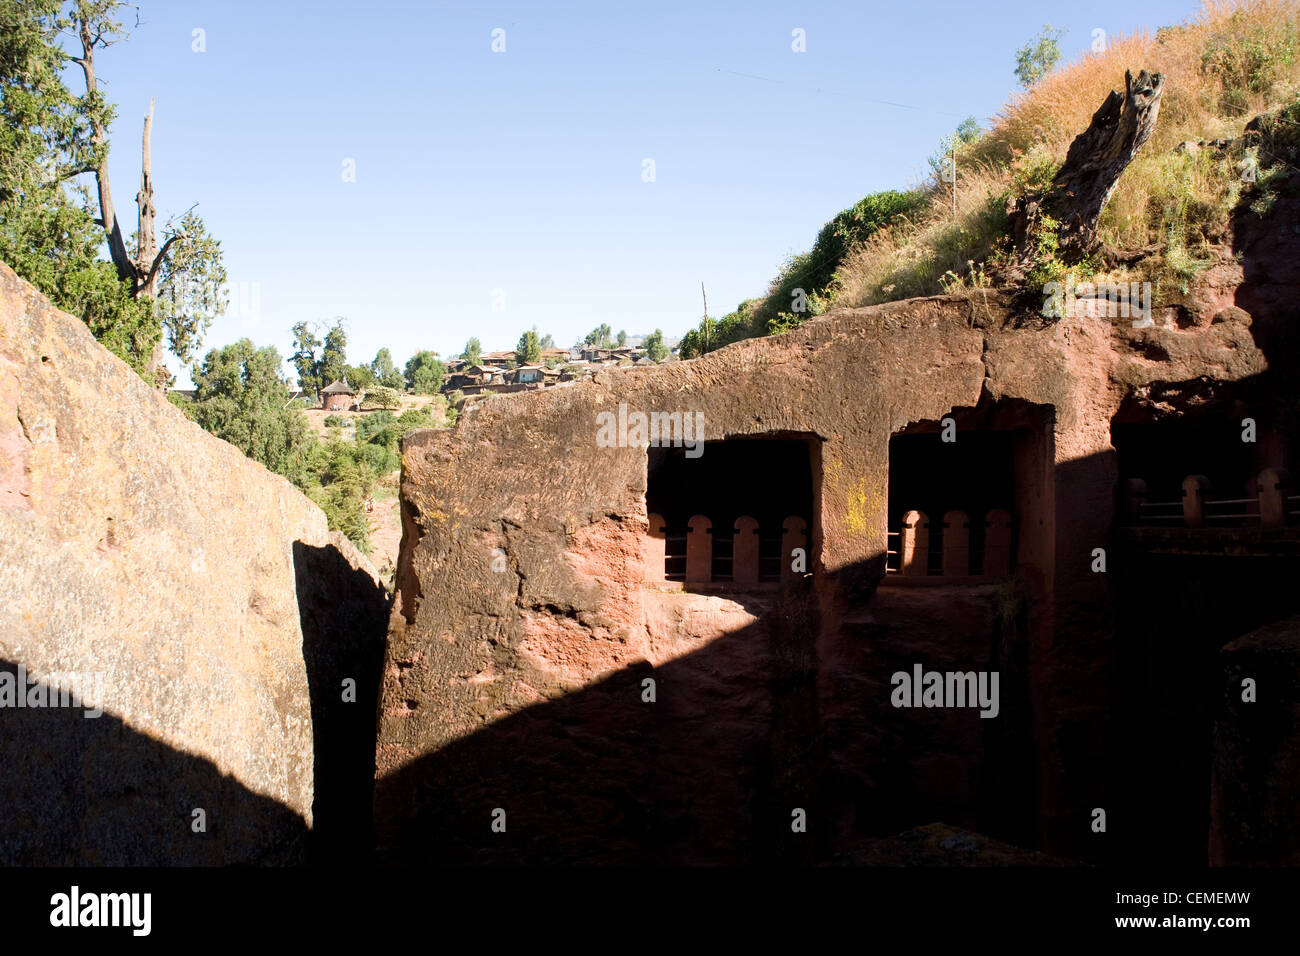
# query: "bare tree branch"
158 259
99 137
147 248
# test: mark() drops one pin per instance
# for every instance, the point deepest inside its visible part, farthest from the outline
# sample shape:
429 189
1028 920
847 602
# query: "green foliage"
622 338
548 341
1048 266
48 232
240 397
967 133
335 421
385 372
813 271
343 484
599 336
1275 159
1039 56
801 287
317 369
183 402
334 354
529 349
452 412
1248 59
384 397
190 286
359 377
473 353
740 324
424 373
654 346
304 358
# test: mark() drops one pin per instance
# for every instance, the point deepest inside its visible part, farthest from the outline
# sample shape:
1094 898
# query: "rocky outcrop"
180 587
522 635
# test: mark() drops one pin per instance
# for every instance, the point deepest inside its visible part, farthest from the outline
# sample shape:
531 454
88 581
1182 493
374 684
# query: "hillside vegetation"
1232 62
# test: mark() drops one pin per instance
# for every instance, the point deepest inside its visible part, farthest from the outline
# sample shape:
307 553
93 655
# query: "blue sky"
495 192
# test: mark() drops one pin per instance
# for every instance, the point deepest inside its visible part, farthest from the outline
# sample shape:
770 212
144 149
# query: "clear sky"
497 191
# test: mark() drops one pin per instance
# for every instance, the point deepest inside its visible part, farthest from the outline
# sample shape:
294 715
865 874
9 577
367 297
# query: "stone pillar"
997 544
655 549
914 544
1196 488
699 551
1274 484
793 535
1135 496
744 551
956 544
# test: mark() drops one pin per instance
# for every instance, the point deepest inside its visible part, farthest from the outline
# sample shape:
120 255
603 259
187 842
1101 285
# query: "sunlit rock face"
162 570
549 696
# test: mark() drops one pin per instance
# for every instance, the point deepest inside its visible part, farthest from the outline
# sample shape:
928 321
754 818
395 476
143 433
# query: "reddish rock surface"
205 593
487 669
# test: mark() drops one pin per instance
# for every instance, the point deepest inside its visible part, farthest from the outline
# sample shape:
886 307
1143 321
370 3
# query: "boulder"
176 587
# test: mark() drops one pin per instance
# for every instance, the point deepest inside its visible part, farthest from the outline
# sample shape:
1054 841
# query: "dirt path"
385 531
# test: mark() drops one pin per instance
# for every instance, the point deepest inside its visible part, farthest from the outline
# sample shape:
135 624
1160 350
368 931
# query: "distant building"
475 375
337 396
526 373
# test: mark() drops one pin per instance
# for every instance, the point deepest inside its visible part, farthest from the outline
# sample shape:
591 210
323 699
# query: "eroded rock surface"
141 553
522 633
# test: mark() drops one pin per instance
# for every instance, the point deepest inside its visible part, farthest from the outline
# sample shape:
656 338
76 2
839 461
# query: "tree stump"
1084 184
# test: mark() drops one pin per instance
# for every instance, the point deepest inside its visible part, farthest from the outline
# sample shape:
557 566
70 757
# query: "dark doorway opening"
1000 459
769 479
1164 452
974 474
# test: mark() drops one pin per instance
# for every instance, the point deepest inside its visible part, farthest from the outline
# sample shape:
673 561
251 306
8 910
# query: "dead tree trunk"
1083 185
143 269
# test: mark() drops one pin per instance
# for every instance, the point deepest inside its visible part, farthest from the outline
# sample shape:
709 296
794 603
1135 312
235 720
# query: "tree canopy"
1039 56
240 397
52 229
385 372
319 362
424 373
654 346
529 349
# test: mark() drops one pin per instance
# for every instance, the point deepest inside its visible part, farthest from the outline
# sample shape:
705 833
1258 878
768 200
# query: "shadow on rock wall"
93 792
76 790
344 616
706 773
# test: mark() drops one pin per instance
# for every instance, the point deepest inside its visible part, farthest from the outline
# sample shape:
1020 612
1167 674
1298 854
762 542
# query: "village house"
338 396
475 375
526 374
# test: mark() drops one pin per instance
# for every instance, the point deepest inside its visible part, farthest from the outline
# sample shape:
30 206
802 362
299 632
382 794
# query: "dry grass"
1229 63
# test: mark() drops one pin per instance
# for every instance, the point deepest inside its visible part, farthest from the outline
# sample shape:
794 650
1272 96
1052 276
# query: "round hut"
338 396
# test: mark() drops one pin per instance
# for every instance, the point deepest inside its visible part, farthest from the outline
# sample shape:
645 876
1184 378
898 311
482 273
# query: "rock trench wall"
200 594
521 619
